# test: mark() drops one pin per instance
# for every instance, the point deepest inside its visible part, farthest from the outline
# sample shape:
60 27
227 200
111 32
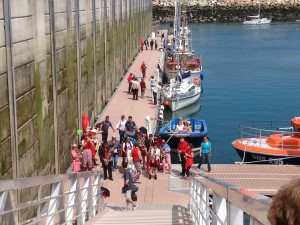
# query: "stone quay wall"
205 11
60 59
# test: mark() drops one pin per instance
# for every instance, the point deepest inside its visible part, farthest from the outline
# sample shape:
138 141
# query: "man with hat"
114 146
137 133
182 148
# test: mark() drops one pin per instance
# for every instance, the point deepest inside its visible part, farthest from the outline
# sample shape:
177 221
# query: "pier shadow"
181 215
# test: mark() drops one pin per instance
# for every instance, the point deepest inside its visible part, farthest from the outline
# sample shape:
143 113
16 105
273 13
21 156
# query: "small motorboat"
195 136
272 144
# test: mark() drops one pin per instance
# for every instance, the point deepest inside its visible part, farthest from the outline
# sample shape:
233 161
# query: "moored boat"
273 145
195 136
180 94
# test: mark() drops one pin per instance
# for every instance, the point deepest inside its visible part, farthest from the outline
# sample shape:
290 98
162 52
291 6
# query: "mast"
259 9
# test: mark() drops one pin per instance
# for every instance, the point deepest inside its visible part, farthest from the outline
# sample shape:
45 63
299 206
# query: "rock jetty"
206 11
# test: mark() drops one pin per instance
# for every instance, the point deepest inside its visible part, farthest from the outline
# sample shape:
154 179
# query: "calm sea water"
250 73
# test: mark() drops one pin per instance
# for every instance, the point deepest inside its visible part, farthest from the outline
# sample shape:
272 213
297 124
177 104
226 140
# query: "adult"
142 44
155 44
189 155
143 87
104 126
114 146
205 153
126 149
151 44
152 82
130 124
179 126
128 182
156 90
143 69
129 79
285 208
92 135
137 158
166 156
106 159
146 43
76 158
137 133
182 148
135 88
87 163
121 127
188 127
149 142
142 145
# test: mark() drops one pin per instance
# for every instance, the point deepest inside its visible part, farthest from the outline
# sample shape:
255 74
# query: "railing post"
236 215
53 204
220 209
6 203
71 202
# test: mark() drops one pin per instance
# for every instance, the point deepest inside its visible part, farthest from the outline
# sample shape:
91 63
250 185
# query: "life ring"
196 80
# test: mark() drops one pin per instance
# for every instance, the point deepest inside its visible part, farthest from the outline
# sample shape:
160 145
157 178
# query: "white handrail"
59 199
215 202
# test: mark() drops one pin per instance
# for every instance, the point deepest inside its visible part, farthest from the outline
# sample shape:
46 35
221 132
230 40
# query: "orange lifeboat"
272 146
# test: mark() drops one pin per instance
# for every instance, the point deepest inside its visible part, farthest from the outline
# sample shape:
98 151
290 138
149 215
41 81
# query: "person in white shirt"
180 126
154 161
156 91
121 127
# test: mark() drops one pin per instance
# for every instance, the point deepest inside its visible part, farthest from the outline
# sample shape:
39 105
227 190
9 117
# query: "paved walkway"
161 201
122 102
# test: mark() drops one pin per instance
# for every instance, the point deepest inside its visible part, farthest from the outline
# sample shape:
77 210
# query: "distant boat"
297 20
256 20
199 130
267 142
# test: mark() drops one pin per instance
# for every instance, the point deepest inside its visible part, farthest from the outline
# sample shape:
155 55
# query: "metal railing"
215 202
59 199
257 130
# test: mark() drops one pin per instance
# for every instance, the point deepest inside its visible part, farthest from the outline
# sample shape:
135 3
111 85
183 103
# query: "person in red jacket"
129 79
189 156
143 87
182 149
143 69
137 158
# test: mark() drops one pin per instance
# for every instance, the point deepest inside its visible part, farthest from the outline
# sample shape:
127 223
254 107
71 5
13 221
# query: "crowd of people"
142 151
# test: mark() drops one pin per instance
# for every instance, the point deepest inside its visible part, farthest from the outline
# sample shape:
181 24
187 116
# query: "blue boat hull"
199 128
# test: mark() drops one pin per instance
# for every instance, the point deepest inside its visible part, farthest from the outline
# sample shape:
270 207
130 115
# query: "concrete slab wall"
60 59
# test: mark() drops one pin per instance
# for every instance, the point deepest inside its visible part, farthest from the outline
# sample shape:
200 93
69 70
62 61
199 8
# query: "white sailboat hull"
184 102
257 21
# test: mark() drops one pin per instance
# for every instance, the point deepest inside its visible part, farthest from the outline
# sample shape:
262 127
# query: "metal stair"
145 214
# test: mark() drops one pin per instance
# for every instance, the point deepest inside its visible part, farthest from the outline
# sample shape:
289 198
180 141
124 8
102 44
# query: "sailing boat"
179 51
256 20
185 86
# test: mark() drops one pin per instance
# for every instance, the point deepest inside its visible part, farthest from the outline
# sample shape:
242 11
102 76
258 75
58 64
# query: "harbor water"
250 73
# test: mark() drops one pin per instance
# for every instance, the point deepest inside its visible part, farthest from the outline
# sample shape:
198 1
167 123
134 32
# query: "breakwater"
227 11
60 60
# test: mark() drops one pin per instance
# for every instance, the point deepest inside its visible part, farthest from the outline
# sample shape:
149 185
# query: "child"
154 161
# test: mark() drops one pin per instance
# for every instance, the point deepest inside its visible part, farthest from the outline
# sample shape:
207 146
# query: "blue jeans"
207 157
115 157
